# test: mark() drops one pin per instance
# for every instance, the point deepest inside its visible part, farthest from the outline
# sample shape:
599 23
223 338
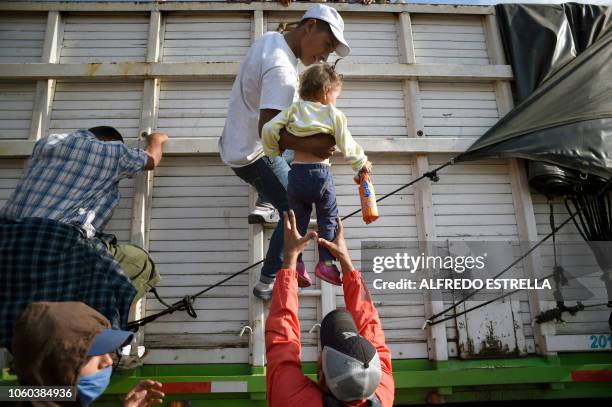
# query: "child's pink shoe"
303 277
328 271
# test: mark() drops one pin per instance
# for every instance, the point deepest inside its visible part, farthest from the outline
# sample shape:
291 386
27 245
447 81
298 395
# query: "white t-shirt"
267 79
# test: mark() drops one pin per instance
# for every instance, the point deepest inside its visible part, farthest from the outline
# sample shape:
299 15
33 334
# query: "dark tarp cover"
567 120
540 39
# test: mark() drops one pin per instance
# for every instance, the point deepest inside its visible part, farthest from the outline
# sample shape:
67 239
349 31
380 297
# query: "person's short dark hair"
106 133
316 78
320 26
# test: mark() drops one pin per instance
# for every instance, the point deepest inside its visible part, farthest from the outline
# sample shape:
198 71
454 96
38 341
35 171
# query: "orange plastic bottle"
369 208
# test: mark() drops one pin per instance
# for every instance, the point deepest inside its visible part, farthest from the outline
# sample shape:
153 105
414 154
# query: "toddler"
310 178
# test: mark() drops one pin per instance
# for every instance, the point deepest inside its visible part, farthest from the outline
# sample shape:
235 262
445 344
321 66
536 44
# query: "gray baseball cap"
351 364
331 17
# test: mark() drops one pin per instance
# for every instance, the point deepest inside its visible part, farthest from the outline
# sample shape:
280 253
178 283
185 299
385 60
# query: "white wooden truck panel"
10 173
458 109
449 39
206 37
104 38
193 108
16 104
198 230
21 37
81 105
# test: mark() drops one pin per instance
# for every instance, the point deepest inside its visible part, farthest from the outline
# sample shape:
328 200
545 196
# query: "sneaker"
327 271
263 213
263 291
303 277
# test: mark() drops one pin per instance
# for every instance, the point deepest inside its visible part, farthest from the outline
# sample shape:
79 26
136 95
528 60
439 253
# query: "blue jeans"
314 184
288 156
269 177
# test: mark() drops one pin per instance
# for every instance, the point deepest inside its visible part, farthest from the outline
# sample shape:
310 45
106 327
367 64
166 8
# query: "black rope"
558 271
186 304
156 294
545 316
431 321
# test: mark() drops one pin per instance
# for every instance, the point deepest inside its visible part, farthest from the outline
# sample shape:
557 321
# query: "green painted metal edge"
416 380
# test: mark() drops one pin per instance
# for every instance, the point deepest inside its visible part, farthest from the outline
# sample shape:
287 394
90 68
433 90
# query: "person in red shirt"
354 367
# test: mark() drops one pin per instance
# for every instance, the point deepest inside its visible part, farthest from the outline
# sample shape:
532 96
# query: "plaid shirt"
46 260
73 178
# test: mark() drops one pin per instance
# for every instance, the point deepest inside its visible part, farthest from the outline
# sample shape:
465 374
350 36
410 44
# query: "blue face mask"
92 386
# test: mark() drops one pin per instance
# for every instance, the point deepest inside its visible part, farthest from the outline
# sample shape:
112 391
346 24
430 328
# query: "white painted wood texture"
11 170
193 108
373 38
121 221
78 105
198 227
374 109
449 39
255 6
206 37
198 236
21 37
16 104
473 201
104 38
458 109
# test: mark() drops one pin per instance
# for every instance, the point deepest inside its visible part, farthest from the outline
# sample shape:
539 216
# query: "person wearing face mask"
70 344
354 367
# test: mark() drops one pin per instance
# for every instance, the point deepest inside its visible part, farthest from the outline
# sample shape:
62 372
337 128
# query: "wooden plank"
206 147
257 318
223 70
17 100
194 263
426 225
22 38
103 49
72 114
577 343
44 89
143 191
364 48
226 7
198 355
207 37
258 24
11 171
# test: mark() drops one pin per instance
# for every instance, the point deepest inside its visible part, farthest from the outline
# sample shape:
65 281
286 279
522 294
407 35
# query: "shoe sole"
258 220
324 278
303 283
263 297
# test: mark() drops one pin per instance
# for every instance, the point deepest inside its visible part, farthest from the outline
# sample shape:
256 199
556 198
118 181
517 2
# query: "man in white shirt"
267 83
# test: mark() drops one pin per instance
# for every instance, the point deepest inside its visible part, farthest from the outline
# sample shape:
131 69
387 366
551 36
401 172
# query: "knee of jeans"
327 230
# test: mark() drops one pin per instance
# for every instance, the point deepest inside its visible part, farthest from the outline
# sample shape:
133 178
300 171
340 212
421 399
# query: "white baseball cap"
331 17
